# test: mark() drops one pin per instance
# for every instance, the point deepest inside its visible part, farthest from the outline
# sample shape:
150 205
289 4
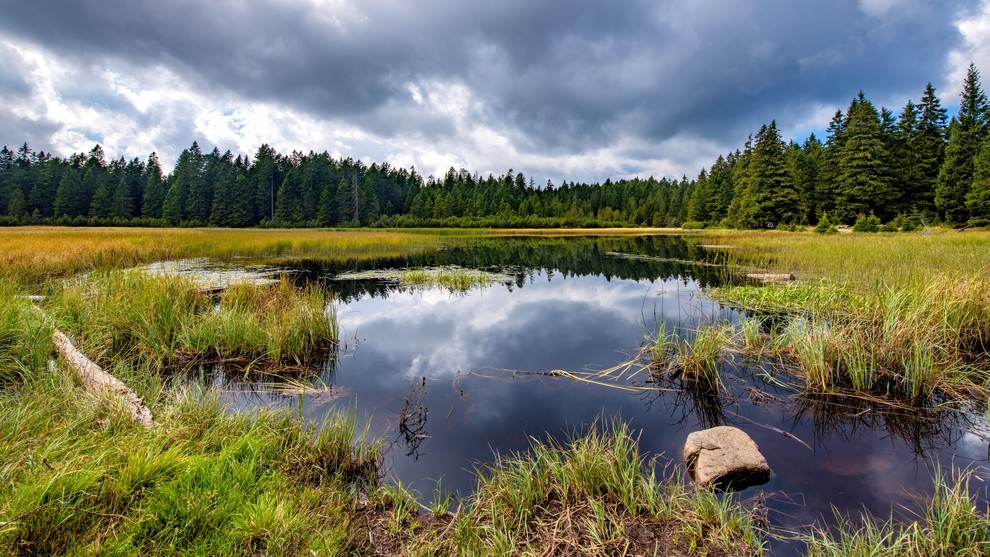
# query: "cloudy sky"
556 89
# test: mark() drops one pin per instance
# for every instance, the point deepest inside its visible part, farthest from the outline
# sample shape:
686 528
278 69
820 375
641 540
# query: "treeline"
315 189
873 164
917 165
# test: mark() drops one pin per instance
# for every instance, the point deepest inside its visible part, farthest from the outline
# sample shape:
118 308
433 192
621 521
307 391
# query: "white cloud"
975 29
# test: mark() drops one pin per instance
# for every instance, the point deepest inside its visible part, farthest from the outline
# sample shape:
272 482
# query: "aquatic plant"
911 341
951 525
694 357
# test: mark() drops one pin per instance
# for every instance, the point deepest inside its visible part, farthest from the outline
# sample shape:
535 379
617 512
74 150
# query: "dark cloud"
16 130
560 77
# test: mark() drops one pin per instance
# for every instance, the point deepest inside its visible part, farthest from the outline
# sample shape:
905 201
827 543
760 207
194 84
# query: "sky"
555 89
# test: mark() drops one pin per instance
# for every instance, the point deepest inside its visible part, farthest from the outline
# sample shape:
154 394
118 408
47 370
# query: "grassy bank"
899 315
123 317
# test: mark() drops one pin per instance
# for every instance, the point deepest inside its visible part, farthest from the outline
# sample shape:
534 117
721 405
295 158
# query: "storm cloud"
555 89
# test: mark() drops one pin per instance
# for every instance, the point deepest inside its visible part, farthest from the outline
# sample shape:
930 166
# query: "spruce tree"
154 189
927 148
68 194
828 176
102 203
17 205
978 198
121 200
965 134
863 185
768 197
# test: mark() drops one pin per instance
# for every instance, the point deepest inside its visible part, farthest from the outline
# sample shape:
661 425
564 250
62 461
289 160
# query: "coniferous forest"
916 166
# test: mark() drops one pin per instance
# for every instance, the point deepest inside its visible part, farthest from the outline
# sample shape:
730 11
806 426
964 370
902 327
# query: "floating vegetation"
639 257
212 275
453 278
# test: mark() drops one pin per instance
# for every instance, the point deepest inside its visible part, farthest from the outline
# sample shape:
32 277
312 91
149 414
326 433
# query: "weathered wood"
770 277
98 380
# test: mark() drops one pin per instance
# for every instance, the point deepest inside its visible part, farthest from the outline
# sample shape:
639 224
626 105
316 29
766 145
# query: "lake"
450 378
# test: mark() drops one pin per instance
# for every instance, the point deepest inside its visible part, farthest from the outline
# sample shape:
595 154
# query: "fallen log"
770 277
98 380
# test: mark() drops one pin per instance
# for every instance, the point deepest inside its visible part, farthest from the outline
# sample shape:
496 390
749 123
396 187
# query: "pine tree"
102 203
965 134
154 189
978 198
863 185
768 197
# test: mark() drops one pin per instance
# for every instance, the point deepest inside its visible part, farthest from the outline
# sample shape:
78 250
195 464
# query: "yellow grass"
863 261
32 254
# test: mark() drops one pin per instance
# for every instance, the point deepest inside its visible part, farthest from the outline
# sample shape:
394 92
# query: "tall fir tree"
965 134
978 198
767 195
862 184
927 148
154 189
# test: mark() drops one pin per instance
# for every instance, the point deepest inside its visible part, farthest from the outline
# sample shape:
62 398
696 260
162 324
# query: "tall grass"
911 341
863 262
165 320
204 483
25 339
595 495
31 255
951 526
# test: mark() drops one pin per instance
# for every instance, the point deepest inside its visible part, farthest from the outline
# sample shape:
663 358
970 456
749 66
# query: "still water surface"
469 372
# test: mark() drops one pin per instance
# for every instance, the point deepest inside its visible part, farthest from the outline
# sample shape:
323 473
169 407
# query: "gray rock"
726 458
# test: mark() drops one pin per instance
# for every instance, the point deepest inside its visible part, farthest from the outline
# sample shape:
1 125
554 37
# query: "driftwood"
98 380
771 277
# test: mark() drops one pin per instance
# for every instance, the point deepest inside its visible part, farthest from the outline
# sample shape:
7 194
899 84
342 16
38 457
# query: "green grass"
695 356
882 313
204 482
24 338
163 321
950 526
909 342
594 495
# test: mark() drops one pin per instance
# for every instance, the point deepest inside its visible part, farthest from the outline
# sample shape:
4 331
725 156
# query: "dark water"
467 370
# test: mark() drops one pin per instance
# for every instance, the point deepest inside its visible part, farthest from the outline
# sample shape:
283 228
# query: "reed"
950 526
164 321
912 341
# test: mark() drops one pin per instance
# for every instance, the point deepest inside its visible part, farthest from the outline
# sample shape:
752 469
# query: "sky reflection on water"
483 354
